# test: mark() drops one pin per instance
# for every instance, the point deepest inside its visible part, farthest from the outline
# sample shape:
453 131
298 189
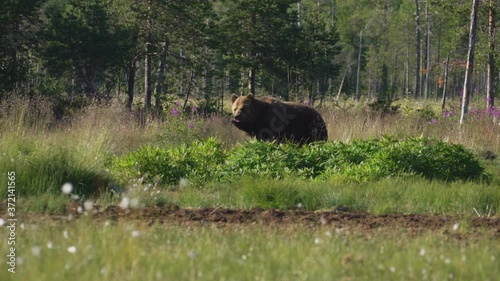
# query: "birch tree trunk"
416 87
470 61
490 83
427 51
299 13
406 87
341 85
384 83
251 82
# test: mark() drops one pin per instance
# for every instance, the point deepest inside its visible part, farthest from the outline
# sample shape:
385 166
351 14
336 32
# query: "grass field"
111 159
88 250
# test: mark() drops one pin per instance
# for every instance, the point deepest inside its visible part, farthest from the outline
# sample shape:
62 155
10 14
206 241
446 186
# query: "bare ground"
354 222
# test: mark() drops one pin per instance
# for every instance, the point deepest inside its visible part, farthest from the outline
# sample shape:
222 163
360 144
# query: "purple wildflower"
492 110
193 109
474 110
433 121
190 125
175 111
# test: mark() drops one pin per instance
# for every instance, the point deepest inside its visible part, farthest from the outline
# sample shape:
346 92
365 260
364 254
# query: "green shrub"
203 162
256 158
431 159
196 162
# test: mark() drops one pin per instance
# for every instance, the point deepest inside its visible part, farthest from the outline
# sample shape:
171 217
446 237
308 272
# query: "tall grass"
45 152
350 121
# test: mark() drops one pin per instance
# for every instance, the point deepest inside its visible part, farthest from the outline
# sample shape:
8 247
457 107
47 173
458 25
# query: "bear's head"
244 110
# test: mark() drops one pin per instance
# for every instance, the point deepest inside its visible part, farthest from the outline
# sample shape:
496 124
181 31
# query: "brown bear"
271 120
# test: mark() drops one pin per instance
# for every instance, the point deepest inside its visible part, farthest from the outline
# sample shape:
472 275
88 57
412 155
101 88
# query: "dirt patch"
355 222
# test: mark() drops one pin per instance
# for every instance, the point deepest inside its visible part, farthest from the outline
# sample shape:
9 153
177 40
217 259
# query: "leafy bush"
431 159
207 161
195 162
255 158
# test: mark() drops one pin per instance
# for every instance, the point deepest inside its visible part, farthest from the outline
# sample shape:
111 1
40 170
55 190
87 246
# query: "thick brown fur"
271 120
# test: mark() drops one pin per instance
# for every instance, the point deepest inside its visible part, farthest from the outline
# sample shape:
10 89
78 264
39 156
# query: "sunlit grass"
85 250
409 195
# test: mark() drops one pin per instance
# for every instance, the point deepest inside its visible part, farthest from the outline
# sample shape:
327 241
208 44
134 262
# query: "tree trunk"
383 95
470 61
299 14
131 83
427 51
160 84
438 60
188 91
406 83
147 64
251 82
182 55
341 85
416 87
359 66
490 83
384 83
445 82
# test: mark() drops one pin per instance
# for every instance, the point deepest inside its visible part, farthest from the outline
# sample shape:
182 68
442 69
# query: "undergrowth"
361 160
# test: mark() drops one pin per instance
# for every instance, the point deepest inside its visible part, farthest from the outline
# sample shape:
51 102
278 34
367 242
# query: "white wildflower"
88 205
67 188
422 252
124 203
35 251
183 182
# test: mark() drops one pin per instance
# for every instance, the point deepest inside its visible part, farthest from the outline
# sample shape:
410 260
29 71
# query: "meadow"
416 161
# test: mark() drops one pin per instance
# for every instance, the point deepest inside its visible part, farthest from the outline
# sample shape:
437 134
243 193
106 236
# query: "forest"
148 54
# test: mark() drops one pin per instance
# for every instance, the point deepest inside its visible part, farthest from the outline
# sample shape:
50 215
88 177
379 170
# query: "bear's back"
299 122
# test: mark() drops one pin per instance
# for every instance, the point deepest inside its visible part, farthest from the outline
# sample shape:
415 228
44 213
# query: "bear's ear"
250 96
233 97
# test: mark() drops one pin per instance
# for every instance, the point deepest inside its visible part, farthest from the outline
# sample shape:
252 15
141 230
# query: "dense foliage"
360 161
